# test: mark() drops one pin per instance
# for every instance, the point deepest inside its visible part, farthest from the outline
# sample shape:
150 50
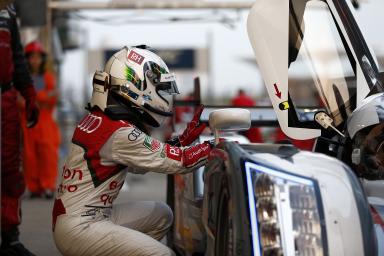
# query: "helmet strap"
118 109
107 84
117 112
102 78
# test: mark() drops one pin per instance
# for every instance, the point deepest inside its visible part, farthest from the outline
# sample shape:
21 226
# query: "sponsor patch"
90 123
195 154
135 57
174 153
152 144
134 134
167 77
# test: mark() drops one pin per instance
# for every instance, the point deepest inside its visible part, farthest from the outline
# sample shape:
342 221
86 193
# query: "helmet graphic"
136 80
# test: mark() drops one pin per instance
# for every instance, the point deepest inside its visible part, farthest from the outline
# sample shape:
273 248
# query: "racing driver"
134 90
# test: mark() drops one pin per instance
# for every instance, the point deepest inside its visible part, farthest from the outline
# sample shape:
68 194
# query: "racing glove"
31 109
211 143
192 132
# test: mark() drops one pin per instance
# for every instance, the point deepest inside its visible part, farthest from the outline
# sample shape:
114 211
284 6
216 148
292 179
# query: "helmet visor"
166 81
168 84
166 91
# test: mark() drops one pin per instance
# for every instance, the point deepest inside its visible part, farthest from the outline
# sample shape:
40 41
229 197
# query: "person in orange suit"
41 143
243 100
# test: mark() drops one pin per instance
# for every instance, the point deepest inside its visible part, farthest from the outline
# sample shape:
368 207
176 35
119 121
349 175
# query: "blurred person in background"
183 114
14 77
243 100
41 143
134 91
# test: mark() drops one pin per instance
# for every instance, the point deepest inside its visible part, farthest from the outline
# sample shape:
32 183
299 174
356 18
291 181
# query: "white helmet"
135 80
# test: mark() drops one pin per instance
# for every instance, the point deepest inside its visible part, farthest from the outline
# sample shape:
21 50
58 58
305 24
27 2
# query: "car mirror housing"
231 119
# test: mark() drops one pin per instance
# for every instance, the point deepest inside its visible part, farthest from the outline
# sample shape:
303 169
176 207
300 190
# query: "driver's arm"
133 148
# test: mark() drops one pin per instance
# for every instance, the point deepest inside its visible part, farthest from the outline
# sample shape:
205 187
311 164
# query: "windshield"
367 14
321 69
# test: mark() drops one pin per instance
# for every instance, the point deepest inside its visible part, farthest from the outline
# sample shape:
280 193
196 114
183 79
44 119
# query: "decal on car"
284 105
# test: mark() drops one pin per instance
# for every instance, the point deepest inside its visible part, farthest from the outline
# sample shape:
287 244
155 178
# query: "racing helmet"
135 82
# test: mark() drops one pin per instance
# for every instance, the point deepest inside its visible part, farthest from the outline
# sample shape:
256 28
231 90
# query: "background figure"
14 76
41 143
183 114
243 100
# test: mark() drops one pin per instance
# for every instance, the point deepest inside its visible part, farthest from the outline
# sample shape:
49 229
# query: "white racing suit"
85 220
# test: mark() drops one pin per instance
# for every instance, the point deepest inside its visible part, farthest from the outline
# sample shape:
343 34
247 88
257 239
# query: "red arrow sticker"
278 93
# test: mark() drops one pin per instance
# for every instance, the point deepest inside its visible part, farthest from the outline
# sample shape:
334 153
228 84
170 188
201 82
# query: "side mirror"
230 119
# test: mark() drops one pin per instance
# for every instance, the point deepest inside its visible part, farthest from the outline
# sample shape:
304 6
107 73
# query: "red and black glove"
194 128
31 109
192 132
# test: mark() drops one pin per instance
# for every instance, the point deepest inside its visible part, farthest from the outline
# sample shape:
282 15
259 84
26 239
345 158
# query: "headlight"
286 213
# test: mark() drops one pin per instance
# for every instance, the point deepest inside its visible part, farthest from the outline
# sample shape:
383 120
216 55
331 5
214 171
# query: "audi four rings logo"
90 123
134 134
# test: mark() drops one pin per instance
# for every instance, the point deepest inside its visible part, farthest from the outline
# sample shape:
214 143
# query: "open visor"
166 91
167 84
164 81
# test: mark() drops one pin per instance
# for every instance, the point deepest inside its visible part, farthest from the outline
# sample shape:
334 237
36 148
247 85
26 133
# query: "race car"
270 199
316 53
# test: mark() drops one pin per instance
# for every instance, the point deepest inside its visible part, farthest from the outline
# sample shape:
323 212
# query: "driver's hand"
194 128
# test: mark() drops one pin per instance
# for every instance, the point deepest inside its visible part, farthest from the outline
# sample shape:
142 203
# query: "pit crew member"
14 79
